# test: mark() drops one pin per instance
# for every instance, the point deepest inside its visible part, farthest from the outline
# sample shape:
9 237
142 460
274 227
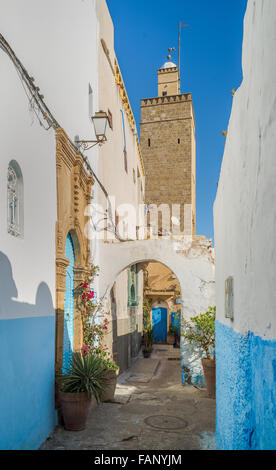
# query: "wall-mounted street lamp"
101 125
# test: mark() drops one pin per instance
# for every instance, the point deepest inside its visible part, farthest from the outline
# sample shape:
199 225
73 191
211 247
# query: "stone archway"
192 262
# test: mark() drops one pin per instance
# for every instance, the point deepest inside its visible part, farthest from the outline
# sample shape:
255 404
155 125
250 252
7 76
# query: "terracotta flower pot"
209 368
74 407
110 380
170 339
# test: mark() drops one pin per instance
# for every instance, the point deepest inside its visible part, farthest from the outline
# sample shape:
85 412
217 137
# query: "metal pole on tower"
181 25
179 45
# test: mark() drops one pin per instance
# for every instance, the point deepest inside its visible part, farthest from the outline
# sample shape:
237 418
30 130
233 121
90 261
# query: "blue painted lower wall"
27 372
246 391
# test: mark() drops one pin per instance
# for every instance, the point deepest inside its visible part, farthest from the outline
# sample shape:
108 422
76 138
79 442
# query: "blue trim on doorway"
159 324
68 333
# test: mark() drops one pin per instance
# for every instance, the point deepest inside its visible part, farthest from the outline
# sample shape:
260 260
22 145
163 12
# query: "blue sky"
211 68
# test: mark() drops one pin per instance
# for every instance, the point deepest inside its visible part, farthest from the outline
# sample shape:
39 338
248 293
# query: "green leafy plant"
109 364
84 374
173 330
201 330
147 349
148 337
147 326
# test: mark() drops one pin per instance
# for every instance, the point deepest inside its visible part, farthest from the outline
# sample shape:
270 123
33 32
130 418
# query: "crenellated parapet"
166 99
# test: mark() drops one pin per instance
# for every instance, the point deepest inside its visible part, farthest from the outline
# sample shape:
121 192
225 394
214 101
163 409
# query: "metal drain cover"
168 423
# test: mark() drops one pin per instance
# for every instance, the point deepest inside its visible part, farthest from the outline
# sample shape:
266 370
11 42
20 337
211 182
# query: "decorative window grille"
133 300
15 200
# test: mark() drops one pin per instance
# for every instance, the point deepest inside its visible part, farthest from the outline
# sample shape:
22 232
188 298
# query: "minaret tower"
167 135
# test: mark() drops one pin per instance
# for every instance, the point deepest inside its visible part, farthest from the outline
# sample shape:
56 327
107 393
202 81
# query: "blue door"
175 320
68 334
159 324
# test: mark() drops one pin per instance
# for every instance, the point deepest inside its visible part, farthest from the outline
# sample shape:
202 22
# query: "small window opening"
179 141
149 142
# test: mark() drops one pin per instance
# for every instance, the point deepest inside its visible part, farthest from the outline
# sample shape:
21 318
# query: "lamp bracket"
85 144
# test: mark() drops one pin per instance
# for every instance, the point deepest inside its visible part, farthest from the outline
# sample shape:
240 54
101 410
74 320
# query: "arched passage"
192 262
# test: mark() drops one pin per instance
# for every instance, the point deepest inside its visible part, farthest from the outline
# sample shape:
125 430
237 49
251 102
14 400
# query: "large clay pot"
209 368
74 407
170 339
110 382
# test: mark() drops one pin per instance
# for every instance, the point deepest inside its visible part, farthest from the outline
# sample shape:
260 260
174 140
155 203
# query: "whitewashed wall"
56 41
245 225
245 210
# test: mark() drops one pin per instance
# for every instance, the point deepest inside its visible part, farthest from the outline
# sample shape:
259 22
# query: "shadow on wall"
27 365
10 308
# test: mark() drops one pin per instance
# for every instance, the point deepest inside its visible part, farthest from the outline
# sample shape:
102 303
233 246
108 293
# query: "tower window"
149 142
179 141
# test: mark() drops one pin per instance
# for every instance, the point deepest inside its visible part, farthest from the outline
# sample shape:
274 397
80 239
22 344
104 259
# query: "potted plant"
148 341
95 325
172 334
110 379
147 350
80 382
147 328
201 330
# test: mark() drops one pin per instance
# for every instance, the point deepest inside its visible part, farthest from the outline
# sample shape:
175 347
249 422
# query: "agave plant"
84 374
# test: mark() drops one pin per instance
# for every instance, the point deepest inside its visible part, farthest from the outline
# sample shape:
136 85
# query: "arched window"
15 200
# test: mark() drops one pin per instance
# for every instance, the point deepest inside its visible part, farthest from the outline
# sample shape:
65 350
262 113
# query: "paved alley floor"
151 411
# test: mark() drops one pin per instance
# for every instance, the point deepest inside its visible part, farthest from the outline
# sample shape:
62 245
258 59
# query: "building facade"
169 150
121 172
45 187
167 132
245 214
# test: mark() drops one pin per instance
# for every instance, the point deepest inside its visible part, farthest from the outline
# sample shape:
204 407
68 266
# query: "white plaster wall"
56 40
245 209
116 180
32 258
118 183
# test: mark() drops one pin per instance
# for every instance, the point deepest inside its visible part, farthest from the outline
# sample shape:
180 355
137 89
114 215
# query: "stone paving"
151 411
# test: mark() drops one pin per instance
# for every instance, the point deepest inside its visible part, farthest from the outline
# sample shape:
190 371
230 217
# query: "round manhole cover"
169 423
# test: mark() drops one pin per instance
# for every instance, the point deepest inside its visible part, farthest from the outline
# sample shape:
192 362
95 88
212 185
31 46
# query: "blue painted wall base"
246 391
27 371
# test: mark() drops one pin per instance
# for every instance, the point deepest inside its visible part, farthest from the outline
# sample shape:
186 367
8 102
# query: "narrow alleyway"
151 411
